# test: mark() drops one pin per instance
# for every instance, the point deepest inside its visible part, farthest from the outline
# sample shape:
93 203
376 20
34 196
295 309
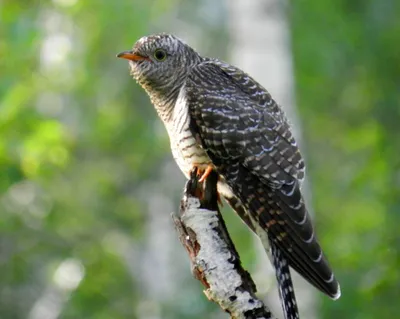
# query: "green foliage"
347 69
78 142
72 150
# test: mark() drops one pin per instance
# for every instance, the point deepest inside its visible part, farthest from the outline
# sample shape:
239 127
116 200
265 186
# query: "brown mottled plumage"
216 115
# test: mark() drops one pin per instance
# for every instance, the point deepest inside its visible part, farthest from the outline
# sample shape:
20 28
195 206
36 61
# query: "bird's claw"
205 174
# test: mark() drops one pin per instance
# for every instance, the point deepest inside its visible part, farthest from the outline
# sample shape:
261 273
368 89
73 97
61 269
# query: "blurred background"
87 179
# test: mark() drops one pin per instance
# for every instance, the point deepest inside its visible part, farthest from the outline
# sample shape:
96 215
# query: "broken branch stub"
214 259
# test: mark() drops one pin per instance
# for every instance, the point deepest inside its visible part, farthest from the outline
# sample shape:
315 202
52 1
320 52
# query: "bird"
220 119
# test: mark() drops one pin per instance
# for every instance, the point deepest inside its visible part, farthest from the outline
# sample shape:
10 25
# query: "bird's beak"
130 55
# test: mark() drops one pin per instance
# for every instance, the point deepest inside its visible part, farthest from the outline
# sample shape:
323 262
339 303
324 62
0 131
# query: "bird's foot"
205 173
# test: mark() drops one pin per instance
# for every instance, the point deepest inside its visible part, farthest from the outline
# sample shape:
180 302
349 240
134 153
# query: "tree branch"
214 259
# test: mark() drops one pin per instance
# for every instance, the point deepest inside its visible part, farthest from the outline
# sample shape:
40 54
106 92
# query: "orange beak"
130 55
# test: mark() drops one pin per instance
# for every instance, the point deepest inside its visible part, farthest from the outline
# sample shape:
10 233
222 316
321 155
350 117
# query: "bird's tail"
286 289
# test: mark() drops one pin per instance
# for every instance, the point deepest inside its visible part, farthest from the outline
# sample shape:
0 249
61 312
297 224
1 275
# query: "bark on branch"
214 259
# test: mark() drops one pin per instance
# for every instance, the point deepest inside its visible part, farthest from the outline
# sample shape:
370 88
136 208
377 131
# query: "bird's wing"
247 137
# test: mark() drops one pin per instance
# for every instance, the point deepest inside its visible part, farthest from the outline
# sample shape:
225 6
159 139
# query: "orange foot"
205 174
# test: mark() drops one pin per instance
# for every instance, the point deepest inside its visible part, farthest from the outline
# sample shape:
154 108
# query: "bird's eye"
160 55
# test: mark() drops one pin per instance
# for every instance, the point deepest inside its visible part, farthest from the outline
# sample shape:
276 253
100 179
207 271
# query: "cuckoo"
219 118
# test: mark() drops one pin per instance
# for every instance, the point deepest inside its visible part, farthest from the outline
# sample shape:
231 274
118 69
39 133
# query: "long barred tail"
282 216
286 289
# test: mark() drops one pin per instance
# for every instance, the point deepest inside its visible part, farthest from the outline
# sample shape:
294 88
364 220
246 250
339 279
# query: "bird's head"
160 63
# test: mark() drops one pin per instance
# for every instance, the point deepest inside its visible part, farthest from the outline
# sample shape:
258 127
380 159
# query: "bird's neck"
164 102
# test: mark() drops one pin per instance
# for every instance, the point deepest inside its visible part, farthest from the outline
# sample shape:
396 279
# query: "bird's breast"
186 150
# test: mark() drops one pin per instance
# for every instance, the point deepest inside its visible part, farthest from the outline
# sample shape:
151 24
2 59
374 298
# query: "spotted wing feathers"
247 137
